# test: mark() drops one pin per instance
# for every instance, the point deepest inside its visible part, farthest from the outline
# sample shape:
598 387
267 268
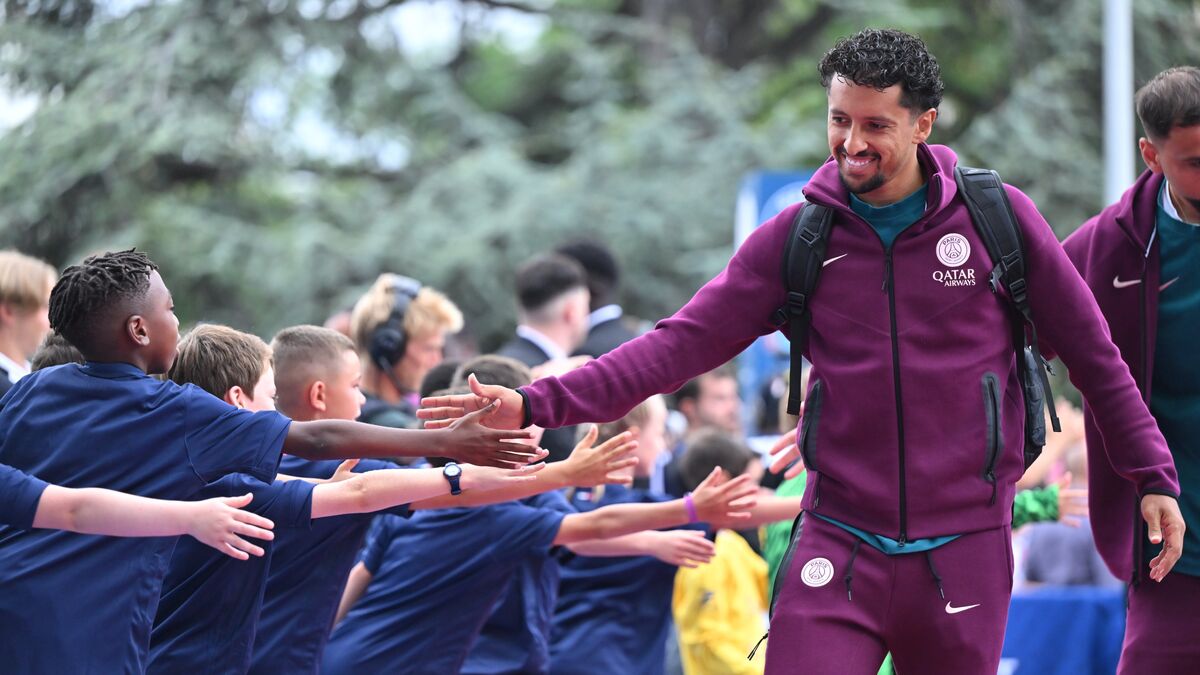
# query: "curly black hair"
881 58
85 293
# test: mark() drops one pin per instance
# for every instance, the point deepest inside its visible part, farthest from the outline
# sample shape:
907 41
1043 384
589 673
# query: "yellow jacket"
721 610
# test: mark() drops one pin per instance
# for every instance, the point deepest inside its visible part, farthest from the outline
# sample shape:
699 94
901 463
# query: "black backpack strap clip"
802 261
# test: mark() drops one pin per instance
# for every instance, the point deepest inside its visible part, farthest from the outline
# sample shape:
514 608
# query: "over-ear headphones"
389 340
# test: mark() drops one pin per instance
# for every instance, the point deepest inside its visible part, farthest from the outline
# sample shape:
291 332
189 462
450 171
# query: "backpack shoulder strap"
993 217
803 258
997 226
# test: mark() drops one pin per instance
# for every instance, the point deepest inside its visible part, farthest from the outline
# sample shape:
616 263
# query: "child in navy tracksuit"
107 423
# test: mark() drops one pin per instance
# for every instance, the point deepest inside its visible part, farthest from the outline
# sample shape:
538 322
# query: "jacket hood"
1135 212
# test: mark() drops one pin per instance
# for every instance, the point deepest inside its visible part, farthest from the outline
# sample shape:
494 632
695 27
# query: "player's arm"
466 440
356 585
715 498
387 488
587 466
219 523
682 548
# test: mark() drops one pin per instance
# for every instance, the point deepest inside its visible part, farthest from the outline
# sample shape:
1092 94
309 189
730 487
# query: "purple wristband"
693 517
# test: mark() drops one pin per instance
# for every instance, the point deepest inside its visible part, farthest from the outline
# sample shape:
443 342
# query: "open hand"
721 499
589 466
440 412
490 478
1165 524
221 523
344 471
786 455
682 548
1072 502
473 440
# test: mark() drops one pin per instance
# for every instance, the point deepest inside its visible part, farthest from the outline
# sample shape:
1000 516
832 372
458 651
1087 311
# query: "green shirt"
1175 394
889 221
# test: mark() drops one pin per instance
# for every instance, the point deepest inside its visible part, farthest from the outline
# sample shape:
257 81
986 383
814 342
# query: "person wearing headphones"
399 328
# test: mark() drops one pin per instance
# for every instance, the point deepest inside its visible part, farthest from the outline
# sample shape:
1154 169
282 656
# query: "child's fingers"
624 463
445 412
244 546
253 519
247 530
618 450
744 503
239 501
620 478
589 438
229 550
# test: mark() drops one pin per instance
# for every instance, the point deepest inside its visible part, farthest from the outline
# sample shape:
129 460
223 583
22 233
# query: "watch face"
453 470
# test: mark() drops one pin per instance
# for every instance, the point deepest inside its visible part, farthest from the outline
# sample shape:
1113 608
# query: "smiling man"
913 431
1140 258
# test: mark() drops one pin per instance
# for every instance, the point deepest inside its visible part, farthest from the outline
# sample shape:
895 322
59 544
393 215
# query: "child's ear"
236 397
137 330
316 396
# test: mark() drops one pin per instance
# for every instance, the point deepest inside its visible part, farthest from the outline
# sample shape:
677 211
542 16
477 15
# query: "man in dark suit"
607 328
552 299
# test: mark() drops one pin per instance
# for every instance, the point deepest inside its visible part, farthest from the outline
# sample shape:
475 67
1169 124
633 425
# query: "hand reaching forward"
1165 524
589 465
786 455
485 478
221 523
473 439
682 548
440 411
1072 502
723 500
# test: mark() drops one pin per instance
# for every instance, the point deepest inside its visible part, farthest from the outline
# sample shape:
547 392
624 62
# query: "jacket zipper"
889 282
1138 544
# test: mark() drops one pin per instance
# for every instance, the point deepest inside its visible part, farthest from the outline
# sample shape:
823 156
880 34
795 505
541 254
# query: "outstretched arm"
386 488
356 585
219 523
587 466
466 440
682 548
715 498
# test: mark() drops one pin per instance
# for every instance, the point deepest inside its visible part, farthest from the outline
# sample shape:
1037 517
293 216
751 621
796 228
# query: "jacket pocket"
994 434
784 564
808 437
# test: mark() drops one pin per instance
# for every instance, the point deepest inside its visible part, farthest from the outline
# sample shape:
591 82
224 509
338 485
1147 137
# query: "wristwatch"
453 472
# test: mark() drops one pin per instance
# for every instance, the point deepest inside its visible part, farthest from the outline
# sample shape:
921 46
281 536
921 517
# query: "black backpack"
997 226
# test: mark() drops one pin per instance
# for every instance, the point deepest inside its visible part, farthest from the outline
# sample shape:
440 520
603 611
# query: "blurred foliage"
274 156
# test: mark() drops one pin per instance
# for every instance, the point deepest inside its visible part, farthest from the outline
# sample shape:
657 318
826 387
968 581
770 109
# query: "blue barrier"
1064 630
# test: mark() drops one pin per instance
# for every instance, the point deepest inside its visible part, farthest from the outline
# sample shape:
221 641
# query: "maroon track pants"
843 604
1162 629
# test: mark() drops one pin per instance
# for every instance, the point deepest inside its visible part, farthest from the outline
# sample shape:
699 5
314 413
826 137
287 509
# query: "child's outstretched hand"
344 471
786 455
221 523
590 465
723 500
490 478
683 548
475 439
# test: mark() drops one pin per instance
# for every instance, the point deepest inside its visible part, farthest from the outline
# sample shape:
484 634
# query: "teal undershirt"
1175 390
888 222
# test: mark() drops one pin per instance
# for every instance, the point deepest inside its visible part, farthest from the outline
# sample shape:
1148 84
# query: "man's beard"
869 185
